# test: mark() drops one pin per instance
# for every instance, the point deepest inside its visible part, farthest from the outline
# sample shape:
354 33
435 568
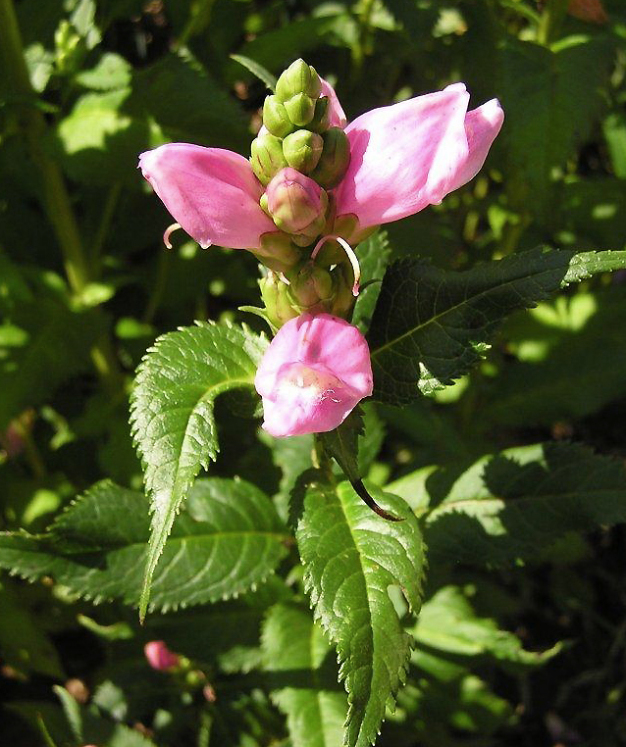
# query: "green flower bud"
343 301
334 160
300 109
267 157
298 78
313 288
277 252
277 300
321 117
275 117
302 150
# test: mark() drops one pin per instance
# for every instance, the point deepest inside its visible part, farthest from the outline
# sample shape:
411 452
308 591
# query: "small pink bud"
296 203
160 657
313 374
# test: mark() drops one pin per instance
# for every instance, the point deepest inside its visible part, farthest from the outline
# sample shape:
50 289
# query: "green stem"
55 197
199 19
105 223
551 21
158 286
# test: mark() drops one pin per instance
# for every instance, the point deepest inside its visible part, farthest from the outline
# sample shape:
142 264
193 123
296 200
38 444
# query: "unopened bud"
160 657
275 117
343 301
298 78
267 157
300 109
321 116
302 150
277 251
312 288
334 160
296 203
277 300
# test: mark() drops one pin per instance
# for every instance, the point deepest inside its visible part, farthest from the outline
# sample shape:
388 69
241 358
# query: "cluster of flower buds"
298 156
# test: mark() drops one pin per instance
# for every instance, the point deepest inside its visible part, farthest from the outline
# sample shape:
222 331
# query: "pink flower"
212 193
313 374
160 657
403 158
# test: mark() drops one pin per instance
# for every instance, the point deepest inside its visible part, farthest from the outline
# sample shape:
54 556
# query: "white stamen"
356 267
168 232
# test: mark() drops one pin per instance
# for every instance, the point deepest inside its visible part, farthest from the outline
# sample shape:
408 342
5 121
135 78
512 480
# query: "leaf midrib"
450 309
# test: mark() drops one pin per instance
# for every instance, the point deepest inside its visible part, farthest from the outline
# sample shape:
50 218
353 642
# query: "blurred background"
86 286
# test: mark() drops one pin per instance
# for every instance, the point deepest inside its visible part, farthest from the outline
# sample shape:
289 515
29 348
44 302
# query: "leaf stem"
105 223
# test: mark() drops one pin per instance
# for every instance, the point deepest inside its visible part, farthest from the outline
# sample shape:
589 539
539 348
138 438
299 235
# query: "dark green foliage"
295 609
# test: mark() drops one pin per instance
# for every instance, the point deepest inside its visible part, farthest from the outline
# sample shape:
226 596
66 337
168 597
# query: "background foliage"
512 465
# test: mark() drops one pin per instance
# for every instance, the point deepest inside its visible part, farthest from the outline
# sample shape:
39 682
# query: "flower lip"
313 374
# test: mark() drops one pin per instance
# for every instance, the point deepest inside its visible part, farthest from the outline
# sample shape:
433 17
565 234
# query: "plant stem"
55 198
105 223
199 19
551 21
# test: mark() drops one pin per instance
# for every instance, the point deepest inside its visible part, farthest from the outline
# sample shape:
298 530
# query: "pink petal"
337 114
410 155
211 192
482 125
313 374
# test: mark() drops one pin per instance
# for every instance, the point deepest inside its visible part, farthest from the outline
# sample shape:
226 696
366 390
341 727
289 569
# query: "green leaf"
448 624
172 414
303 677
431 325
542 90
227 541
373 254
511 506
262 73
571 361
53 347
351 557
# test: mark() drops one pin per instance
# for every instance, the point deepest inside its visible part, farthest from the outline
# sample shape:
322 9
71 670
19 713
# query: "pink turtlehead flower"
403 158
313 374
160 657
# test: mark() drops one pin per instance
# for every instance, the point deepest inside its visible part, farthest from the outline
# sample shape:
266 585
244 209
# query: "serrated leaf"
431 325
351 557
303 677
228 540
510 506
172 414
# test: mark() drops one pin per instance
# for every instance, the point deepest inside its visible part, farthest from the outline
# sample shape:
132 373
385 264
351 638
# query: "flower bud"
160 657
277 251
302 150
296 203
334 160
343 300
277 300
267 157
300 109
275 117
298 78
321 116
313 288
